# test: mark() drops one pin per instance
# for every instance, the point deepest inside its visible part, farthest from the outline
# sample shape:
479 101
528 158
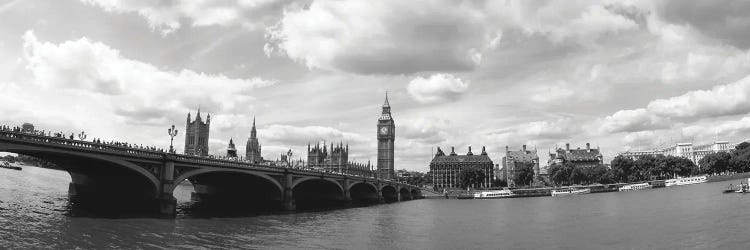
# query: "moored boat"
494 194
686 181
8 166
634 187
570 191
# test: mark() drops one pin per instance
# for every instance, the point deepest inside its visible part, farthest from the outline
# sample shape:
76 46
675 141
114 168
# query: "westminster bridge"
119 174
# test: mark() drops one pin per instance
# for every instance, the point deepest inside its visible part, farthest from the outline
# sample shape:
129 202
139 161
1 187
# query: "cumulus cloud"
384 37
437 88
721 100
428 130
167 15
631 121
135 87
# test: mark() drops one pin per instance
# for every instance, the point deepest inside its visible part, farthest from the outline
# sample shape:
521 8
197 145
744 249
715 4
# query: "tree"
715 163
471 176
560 173
742 146
524 174
622 167
577 175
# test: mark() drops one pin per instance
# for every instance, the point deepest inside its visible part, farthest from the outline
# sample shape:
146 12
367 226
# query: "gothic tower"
196 135
252 149
231 150
386 137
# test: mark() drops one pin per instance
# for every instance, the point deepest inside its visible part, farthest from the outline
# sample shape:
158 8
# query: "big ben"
386 137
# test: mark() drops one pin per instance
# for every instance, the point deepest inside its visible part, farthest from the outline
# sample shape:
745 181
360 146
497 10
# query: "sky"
621 75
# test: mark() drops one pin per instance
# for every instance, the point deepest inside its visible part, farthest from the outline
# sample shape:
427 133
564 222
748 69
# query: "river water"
35 213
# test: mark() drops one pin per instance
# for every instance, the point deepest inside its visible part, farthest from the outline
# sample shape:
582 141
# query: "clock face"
383 130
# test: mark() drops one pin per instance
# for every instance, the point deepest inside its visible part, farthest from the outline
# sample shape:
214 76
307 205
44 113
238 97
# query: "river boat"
494 194
731 189
8 166
465 196
635 187
570 191
686 181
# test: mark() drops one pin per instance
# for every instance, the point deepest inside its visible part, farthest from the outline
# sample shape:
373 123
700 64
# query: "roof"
462 158
580 154
522 156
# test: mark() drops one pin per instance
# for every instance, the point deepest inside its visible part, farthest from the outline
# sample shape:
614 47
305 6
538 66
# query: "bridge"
103 173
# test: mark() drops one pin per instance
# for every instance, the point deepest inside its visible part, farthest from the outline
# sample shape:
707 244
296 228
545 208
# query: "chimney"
524 148
567 146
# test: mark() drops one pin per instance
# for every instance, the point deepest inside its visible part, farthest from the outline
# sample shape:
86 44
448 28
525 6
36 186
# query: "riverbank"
717 178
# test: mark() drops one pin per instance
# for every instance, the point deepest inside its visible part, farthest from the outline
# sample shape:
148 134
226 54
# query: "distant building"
685 150
588 157
252 149
27 127
446 169
196 135
231 150
517 157
336 160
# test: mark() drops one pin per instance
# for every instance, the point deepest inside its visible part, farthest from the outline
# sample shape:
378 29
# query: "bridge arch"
66 159
415 193
404 193
389 193
363 192
317 192
231 191
197 172
304 179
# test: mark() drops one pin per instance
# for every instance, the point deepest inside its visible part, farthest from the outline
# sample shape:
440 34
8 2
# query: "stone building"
252 148
588 157
446 169
514 158
231 150
336 160
686 150
196 135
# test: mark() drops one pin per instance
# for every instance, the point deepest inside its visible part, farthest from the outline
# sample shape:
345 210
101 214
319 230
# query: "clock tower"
386 136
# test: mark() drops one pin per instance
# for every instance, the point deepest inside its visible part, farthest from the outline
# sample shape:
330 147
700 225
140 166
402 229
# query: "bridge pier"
288 203
166 200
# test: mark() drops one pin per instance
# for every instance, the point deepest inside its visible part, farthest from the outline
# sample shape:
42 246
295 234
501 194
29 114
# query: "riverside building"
446 169
518 157
685 150
588 157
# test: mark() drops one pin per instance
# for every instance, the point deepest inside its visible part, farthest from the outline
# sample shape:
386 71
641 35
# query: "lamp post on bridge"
172 133
82 136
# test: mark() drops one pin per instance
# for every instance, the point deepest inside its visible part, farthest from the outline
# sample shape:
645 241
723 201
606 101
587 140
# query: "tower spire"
386 104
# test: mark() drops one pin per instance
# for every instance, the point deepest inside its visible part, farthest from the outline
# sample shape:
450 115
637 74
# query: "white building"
686 150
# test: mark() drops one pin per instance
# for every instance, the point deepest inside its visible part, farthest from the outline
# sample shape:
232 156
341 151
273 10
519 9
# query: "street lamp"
82 136
172 133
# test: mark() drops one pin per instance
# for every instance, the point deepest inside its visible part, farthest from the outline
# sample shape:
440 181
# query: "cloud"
723 20
632 121
167 16
294 135
138 91
429 130
722 100
437 88
384 37
728 99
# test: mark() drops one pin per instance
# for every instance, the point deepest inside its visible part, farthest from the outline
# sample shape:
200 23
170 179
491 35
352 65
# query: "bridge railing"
26 137
77 144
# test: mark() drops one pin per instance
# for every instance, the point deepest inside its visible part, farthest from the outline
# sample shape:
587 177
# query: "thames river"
35 213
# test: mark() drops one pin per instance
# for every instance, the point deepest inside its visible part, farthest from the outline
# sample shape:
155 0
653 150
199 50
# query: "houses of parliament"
329 158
